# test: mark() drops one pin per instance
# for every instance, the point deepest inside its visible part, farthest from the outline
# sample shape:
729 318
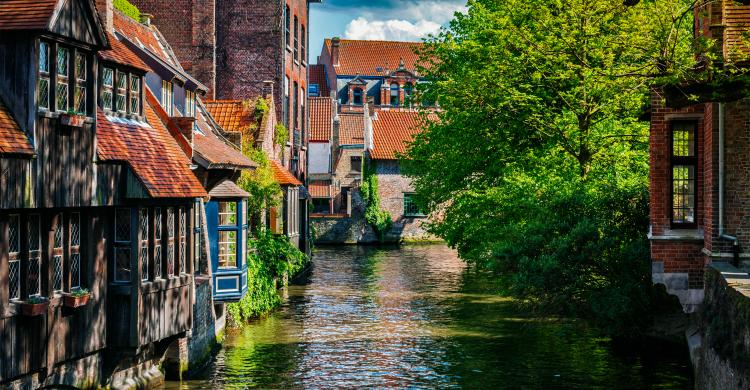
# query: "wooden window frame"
121 91
62 79
167 96
108 89
81 85
236 228
158 253
123 245
391 95
44 75
135 85
15 258
688 161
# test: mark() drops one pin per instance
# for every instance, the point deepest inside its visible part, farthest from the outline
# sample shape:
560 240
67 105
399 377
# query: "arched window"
394 94
357 96
408 89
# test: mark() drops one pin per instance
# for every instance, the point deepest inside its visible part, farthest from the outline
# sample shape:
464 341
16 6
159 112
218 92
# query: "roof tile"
13 140
393 131
26 14
374 58
142 35
232 115
121 54
352 130
318 76
283 176
215 150
321 118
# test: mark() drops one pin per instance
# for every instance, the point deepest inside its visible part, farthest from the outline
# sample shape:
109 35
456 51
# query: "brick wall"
681 257
189 27
391 187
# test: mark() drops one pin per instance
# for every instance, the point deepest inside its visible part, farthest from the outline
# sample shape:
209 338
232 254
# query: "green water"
416 317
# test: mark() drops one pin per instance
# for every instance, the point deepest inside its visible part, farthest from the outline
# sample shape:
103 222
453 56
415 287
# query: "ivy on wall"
379 219
127 8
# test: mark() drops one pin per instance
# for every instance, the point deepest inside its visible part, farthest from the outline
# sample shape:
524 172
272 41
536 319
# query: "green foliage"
127 8
80 292
379 219
37 299
260 184
272 257
538 164
261 109
281 135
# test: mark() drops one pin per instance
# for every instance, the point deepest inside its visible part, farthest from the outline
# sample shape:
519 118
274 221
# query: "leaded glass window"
121 82
57 255
122 245
80 92
42 89
34 277
108 79
75 250
227 249
157 244
684 169
411 208
170 242
183 241
62 79
143 242
135 95
14 258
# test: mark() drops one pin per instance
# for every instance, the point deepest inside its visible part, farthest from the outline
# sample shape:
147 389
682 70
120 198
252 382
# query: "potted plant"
34 306
72 118
77 298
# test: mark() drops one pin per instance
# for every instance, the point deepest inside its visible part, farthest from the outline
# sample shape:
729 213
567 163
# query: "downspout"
722 234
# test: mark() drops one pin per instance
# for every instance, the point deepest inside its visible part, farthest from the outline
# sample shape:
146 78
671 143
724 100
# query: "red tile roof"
232 115
121 54
392 131
283 176
319 190
228 189
365 57
26 14
318 76
321 118
151 152
215 150
13 140
146 37
352 130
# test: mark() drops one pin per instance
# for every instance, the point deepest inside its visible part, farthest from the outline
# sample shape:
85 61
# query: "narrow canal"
416 317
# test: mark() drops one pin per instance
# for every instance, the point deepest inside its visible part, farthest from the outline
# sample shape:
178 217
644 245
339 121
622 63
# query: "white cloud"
392 30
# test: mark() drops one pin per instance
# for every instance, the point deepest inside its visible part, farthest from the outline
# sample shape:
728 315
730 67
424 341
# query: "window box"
34 307
76 299
72 119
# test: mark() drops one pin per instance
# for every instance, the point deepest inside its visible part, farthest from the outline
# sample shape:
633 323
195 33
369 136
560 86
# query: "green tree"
547 159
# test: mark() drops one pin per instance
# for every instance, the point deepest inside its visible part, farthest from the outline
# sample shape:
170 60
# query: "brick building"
699 164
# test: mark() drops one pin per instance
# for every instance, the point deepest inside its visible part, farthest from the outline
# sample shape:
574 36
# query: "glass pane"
80 67
135 84
134 105
120 103
143 251
157 222
227 249
57 284
62 96
75 270
170 259
75 229
122 225
14 230
683 139
170 222
157 261
107 100
228 213
107 77
34 274
43 57
80 103
14 277
33 233
59 232
121 79
683 194
62 61
42 93
122 264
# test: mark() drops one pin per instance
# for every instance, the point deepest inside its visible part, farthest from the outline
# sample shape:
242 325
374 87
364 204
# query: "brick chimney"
104 8
335 44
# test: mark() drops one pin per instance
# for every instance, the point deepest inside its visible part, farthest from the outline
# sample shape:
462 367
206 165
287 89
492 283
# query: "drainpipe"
722 234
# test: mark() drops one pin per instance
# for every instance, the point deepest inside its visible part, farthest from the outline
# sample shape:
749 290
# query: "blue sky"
400 20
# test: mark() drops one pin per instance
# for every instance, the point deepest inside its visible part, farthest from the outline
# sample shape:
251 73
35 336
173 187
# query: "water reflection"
416 317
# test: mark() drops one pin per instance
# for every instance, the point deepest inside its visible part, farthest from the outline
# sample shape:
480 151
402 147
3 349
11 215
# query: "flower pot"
75 302
72 120
34 309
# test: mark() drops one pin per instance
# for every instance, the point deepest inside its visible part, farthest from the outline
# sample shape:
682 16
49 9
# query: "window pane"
228 213
35 260
75 270
42 93
57 284
62 61
143 249
75 229
62 95
14 285
120 102
122 264
59 232
170 242
683 194
227 249
80 103
43 57
107 100
80 67
107 77
683 139
183 241
122 225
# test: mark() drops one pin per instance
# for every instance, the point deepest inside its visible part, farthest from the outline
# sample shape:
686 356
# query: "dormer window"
42 93
120 92
408 89
166 96
190 104
357 96
394 94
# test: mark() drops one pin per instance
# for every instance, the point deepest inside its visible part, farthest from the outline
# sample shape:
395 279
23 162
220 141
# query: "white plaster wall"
320 157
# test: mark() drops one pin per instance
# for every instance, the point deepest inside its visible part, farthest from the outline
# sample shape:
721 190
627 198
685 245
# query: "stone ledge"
678 235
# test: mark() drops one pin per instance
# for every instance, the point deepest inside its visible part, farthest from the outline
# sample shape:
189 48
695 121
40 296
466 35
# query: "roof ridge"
374 41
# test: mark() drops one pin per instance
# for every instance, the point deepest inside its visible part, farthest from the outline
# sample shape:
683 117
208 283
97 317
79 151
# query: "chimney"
268 88
104 8
146 18
335 138
335 44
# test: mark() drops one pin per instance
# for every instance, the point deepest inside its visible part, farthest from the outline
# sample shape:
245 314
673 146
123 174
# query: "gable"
77 20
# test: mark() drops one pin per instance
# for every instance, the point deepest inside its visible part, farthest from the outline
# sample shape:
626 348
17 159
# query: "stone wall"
391 187
720 345
203 339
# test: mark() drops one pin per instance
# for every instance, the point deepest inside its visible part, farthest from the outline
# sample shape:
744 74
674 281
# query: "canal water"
417 317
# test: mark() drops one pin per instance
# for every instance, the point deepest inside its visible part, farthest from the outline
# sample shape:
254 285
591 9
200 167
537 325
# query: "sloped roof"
321 118
26 14
352 130
13 140
228 189
318 76
392 131
215 150
121 54
232 115
319 190
366 57
283 176
146 37
152 153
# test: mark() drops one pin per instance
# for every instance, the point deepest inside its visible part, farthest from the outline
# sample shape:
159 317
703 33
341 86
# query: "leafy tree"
538 163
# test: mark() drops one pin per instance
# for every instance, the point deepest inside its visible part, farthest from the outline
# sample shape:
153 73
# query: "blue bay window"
226 221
